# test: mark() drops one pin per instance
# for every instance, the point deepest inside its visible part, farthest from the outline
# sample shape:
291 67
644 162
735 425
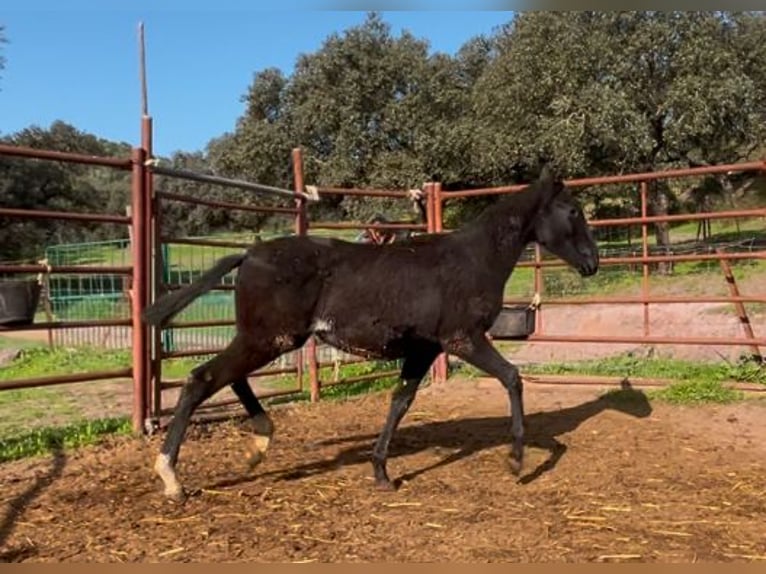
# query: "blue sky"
80 65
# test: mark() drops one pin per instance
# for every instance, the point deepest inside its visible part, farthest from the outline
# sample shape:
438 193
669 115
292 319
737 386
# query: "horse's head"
561 229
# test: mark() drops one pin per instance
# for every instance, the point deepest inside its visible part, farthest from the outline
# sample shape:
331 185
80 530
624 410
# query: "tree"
37 184
607 92
368 109
259 149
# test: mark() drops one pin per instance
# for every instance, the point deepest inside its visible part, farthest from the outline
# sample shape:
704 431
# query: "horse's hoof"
254 458
385 485
176 495
515 465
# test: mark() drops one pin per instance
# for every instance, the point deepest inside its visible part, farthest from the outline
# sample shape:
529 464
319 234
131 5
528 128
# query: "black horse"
410 300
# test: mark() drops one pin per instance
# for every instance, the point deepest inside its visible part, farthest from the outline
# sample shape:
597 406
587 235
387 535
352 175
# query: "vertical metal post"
301 228
153 274
139 291
429 191
144 253
442 361
645 251
431 228
538 288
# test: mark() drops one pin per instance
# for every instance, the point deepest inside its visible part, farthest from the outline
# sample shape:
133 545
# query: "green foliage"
47 440
634 365
697 392
44 361
696 382
39 361
35 184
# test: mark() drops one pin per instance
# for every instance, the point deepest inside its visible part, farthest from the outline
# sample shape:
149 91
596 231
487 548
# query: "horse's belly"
365 339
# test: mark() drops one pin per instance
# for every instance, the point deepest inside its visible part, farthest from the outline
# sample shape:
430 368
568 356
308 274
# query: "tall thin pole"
138 301
301 228
142 70
149 260
645 252
442 361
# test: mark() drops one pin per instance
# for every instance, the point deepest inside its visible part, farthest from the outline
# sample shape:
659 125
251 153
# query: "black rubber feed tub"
514 322
18 301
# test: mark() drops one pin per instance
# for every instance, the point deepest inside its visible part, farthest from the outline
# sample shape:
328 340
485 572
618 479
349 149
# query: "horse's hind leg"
260 422
232 364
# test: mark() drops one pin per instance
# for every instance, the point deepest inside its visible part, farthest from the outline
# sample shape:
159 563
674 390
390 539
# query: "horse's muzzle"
589 268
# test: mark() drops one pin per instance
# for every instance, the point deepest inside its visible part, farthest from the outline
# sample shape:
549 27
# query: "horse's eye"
572 212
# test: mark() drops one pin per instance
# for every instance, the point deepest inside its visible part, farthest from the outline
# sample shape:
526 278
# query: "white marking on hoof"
163 468
263 429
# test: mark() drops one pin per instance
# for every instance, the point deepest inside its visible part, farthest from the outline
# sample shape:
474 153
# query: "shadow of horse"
468 436
19 504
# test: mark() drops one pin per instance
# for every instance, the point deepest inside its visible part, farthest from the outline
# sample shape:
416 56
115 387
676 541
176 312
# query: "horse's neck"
502 231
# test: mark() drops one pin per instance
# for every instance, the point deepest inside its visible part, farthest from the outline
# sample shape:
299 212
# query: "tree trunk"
658 205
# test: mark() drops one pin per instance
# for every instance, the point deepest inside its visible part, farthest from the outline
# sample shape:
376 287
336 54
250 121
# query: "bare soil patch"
604 481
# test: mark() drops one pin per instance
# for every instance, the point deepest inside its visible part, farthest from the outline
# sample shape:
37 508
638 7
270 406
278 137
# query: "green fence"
98 296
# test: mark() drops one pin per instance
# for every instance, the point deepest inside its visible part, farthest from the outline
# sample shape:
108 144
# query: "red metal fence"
645 259
146 280
135 163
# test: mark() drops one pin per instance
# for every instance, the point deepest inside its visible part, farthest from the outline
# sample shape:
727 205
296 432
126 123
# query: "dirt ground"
605 480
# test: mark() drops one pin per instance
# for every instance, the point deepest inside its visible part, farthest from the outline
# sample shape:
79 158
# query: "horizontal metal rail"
202 413
675 218
342 362
649 259
362 378
58 325
190 352
176 383
201 323
362 192
208 242
65 379
72 269
605 380
641 300
760 212
360 225
649 340
227 182
63 215
612 179
33 153
223 204
173 286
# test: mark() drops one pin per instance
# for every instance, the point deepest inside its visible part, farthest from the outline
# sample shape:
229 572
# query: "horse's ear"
546 175
548 186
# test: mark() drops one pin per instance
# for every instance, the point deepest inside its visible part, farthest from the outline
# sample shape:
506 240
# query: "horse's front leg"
479 352
418 360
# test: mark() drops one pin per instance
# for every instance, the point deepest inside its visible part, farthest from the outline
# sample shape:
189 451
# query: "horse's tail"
167 306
